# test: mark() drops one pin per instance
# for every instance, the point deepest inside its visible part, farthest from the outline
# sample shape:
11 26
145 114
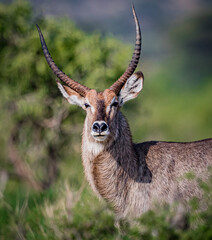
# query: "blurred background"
43 194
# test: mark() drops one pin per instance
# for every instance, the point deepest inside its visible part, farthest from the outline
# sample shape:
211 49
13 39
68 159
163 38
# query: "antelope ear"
72 96
131 88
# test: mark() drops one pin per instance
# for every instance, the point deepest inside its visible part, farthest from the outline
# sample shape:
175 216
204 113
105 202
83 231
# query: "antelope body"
132 177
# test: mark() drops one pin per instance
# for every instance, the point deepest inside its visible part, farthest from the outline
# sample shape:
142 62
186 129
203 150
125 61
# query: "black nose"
100 126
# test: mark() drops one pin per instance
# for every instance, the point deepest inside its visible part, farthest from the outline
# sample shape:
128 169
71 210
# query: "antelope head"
101 107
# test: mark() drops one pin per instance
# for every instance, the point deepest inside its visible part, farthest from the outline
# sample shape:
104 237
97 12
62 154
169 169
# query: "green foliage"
30 102
42 194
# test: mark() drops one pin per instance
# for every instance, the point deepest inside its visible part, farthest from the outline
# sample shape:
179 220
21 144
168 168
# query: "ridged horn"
81 89
116 87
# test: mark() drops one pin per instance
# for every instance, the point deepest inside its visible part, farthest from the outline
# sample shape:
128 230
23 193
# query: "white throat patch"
94 147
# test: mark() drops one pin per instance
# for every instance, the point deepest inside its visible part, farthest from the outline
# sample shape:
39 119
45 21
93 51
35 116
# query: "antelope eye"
115 104
87 105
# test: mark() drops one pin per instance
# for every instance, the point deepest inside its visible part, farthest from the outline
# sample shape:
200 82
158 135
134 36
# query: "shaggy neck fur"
132 177
112 167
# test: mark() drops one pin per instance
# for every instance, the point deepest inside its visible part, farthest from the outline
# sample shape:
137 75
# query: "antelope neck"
117 153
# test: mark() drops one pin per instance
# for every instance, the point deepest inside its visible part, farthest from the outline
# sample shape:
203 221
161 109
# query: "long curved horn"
116 87
81 89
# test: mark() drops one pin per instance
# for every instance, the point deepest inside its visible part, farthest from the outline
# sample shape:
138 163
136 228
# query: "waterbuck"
130 176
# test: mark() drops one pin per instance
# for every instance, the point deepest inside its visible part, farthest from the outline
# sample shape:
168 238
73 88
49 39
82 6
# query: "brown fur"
132 177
